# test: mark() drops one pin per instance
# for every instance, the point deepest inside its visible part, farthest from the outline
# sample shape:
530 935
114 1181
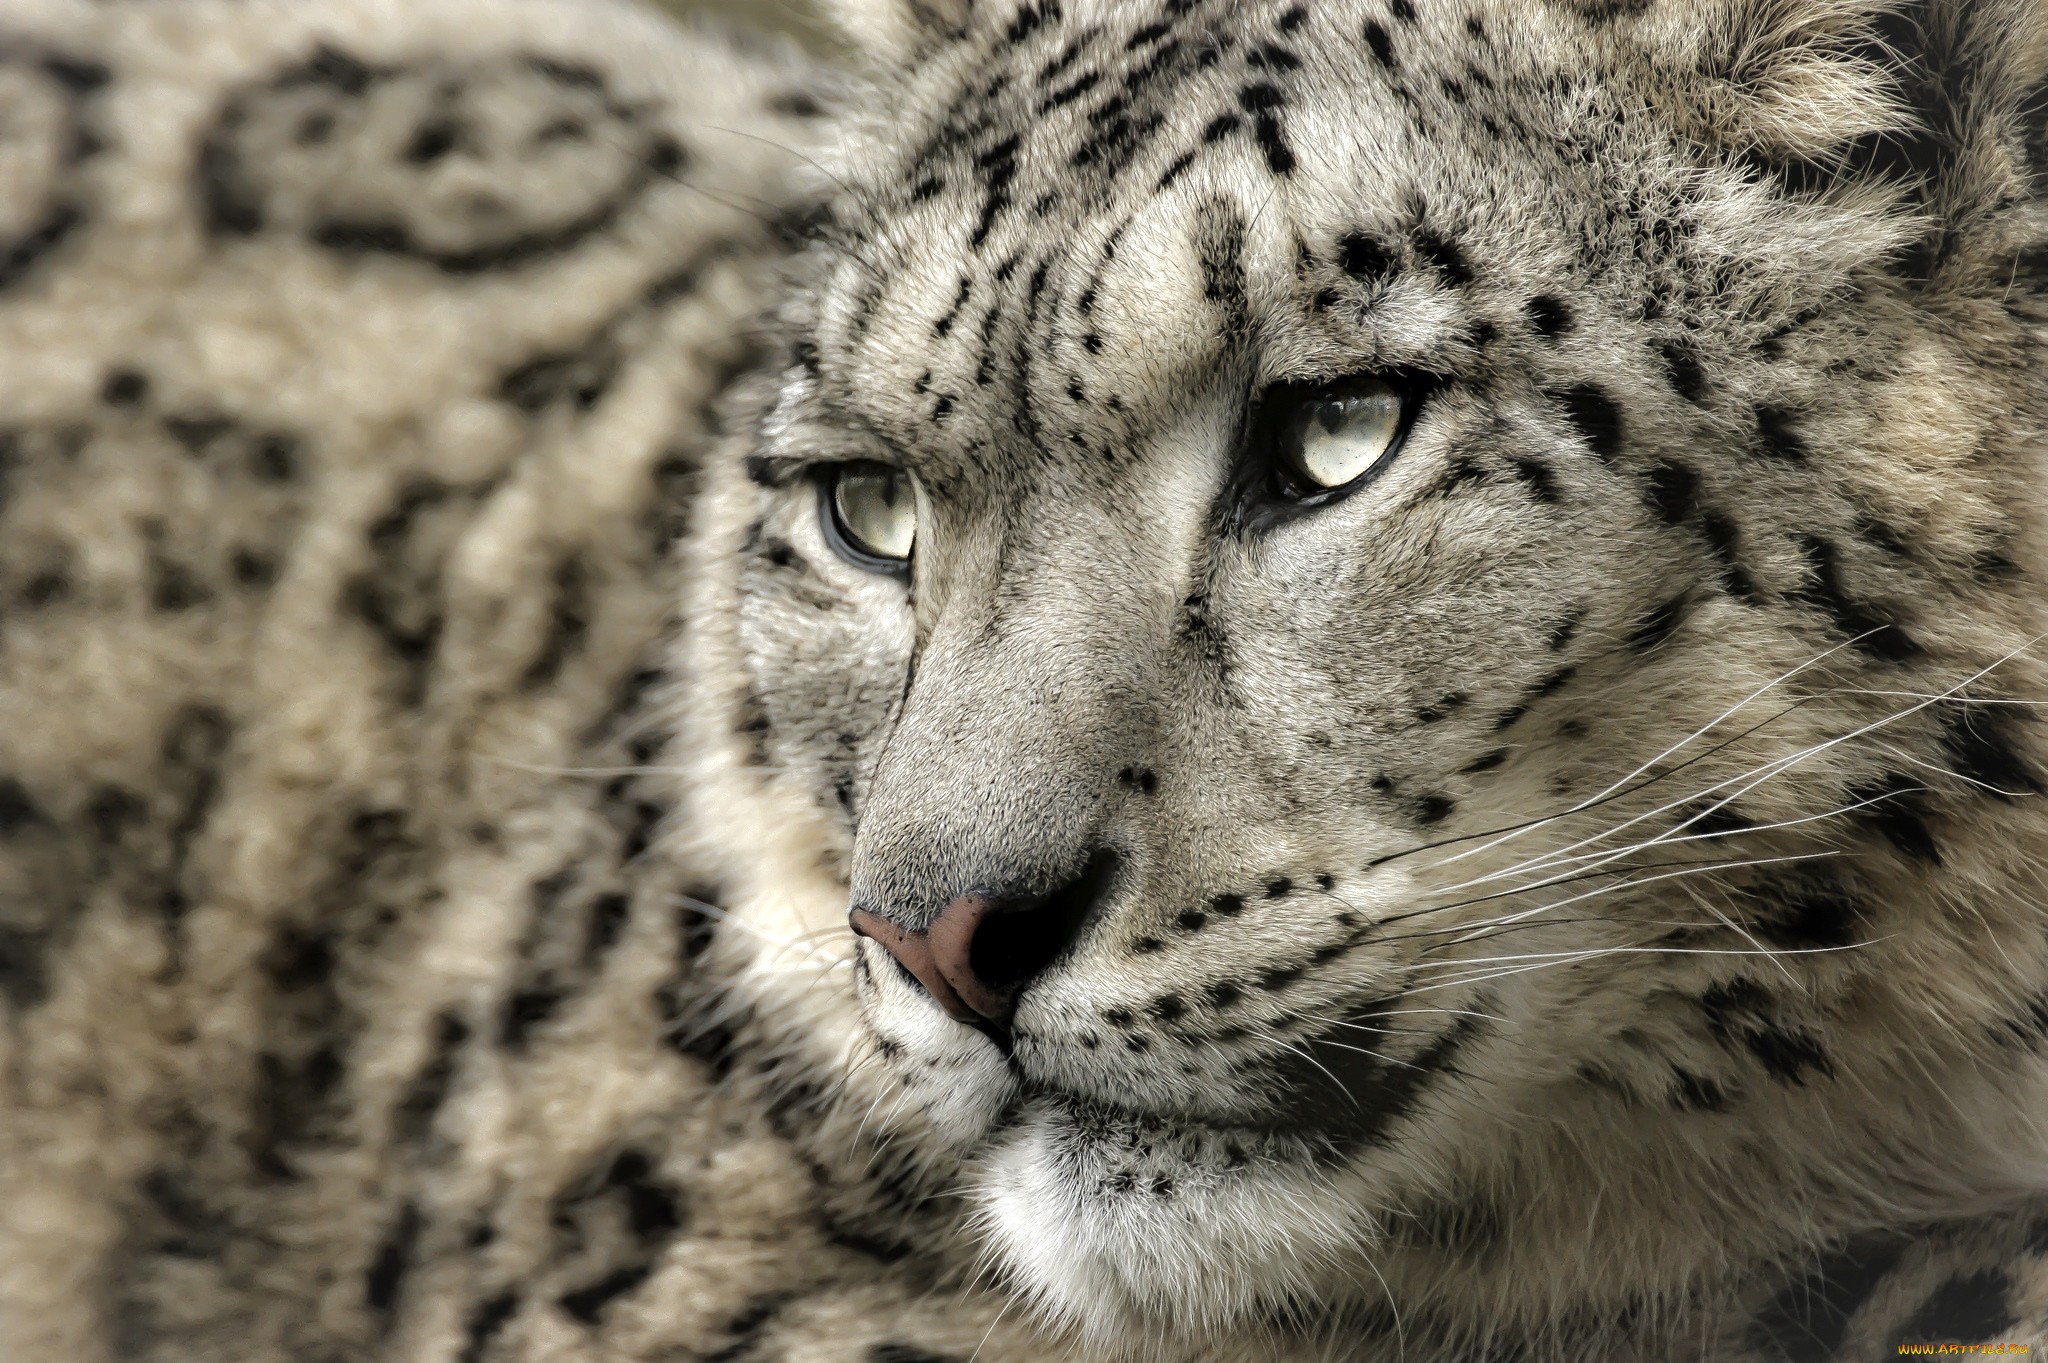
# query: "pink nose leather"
941 958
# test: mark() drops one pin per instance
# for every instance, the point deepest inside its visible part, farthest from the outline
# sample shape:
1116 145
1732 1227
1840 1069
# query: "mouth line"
1102 1122
1324 1090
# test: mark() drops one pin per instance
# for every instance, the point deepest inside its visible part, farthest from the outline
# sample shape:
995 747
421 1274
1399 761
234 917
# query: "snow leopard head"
1394 619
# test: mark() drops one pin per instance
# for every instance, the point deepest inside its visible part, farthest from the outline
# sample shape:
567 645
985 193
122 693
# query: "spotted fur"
1574 899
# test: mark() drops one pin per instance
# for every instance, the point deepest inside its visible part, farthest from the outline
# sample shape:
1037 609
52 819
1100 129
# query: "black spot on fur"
996 168
274 458
174 587
1980 746
1870 629
1356 1094
586 1304
1272 57
485 1320
1539 479
1659 625
1463 470
1742 1012
1279 156
608 913
647 817
1404 10
17 809
1279 889
1498 757
1777 434
125 388
1786 1054
79 76
432 140
568 623
1683 367
46 588
1176 170
385 1277
20 255
906 1353
1880 533
195 1230
1595 417
1364 257
1671 489
1724 538
195 432
1970 1308
1381 44
525 1010
414 1115
654 1207
1227 905
1549 315
1809 1320
1695 1093
1893 806
1442 254
1808 914
1278 978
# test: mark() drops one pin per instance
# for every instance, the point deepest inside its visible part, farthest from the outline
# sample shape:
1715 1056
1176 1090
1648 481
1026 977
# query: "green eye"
869 513
1332 437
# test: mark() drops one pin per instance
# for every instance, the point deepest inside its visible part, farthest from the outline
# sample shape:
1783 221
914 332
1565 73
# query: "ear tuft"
893 32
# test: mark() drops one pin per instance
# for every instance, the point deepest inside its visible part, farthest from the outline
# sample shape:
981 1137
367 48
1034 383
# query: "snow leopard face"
1391 617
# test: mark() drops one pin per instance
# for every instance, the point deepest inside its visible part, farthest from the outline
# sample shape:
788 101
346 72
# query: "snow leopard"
1243 681
1397 645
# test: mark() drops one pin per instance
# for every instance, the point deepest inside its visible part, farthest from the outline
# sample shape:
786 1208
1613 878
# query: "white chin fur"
956 1077
1081 1230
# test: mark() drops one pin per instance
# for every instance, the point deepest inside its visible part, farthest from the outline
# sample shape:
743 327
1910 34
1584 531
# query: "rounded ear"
895 31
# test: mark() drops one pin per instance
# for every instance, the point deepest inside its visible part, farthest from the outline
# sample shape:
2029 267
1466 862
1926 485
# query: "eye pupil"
870 515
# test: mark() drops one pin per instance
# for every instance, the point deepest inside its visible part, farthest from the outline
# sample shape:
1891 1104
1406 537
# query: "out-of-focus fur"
356 365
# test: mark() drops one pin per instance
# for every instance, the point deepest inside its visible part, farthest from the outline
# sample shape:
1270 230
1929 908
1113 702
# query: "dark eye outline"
1270 485
843 540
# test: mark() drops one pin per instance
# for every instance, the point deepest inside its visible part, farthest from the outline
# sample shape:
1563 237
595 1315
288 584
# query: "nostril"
912 953
983 949
1015 941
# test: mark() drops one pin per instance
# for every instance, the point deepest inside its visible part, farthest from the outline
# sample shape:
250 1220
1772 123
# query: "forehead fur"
1133 205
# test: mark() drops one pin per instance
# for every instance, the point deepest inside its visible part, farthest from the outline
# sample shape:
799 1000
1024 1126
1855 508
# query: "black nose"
978 955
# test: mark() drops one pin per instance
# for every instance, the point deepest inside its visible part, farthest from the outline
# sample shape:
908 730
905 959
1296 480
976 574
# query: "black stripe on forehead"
1087 108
